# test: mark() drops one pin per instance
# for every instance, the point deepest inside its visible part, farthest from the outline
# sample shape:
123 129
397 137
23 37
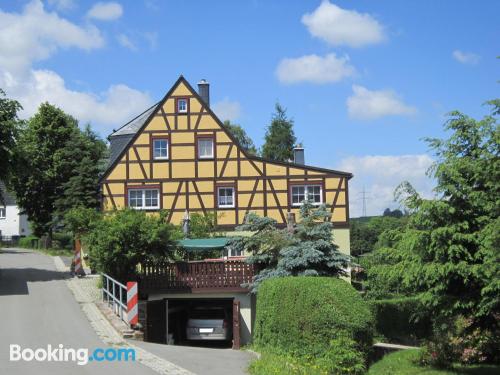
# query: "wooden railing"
195 277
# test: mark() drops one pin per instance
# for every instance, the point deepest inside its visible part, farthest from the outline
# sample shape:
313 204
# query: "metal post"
120 306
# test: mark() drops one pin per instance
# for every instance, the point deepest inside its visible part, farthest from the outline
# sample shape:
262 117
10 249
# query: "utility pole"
364 199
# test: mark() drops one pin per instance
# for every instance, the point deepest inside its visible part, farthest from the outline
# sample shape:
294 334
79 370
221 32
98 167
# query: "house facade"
178 156
13 224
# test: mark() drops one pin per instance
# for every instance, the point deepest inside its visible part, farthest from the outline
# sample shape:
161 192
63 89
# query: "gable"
185 181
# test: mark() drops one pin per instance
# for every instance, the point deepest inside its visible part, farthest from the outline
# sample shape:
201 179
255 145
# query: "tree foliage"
9 126
56 167
365 236
118 242
308 251
449 253
241 136
280 138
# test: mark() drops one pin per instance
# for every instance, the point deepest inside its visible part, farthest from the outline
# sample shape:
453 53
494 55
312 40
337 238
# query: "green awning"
204 244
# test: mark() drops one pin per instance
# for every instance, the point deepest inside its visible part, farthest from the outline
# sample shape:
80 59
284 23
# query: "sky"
364 81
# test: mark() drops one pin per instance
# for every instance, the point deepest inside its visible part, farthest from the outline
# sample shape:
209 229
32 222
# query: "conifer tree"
280 138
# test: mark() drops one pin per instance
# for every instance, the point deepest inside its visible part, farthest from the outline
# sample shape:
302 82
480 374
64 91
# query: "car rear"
208 324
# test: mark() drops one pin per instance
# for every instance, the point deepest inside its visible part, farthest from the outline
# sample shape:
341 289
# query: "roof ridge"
132 120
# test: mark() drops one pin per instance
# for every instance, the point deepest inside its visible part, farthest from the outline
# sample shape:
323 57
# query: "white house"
12 222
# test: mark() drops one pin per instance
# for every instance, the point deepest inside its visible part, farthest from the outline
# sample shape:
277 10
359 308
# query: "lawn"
403 363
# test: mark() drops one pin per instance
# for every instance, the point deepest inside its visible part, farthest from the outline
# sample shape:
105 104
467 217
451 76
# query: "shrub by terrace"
302 315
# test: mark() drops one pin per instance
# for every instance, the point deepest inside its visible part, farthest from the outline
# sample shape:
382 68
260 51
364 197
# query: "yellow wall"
271 198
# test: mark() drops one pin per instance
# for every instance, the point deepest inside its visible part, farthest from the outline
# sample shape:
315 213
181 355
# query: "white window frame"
219 205
3 212
306 194
179 110
160 157
200 139
143 199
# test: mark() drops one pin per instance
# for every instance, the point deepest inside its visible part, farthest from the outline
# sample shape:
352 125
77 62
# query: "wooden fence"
195 277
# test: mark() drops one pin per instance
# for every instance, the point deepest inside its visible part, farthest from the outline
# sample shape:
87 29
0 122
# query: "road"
37 309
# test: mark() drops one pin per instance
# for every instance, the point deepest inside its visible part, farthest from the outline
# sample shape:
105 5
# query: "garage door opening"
192 322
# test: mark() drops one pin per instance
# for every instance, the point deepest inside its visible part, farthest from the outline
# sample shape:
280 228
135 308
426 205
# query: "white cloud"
113 107
367 105
466 57
126 42
315 69
36 34
105 11
62 4
227 109
339 26
379 175
152 38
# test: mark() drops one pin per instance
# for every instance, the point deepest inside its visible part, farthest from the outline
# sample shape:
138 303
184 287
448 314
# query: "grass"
55 252
277 364
404 363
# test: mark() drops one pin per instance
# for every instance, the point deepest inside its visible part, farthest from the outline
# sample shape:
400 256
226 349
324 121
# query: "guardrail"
115 294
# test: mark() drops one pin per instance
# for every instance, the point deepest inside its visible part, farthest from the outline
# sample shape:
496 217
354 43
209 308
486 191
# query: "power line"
364 199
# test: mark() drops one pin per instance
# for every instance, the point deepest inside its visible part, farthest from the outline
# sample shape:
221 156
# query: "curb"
108 334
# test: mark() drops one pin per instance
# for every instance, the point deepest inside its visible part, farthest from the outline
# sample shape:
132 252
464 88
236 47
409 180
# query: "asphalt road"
37 309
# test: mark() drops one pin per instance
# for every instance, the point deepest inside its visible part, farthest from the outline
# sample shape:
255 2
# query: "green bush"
62 240
117 242
28 242
302 315
395 320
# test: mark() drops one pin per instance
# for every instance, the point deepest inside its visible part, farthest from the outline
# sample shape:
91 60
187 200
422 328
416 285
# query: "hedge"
302 315
28 242
395 320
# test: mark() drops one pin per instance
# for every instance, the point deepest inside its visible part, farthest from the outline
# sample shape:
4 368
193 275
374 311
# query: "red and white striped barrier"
132 299
78 259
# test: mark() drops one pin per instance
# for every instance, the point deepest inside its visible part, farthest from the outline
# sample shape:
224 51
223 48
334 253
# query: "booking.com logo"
61 354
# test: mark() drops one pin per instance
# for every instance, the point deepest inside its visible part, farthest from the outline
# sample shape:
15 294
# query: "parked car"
208 323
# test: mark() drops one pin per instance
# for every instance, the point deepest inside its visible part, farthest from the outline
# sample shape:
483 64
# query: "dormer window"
182 105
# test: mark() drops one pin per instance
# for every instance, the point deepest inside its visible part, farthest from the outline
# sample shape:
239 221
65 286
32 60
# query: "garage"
193 322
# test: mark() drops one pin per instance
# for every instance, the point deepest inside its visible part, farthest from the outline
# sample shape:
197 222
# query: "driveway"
205 361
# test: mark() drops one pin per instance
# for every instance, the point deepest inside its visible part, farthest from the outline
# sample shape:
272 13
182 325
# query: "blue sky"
363 80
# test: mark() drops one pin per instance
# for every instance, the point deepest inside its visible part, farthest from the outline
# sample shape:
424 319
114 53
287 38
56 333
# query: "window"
312 193
225 196
205 148
160 148
182 105
2 212
143 199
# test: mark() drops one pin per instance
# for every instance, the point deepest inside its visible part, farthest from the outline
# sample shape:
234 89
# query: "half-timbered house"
178 156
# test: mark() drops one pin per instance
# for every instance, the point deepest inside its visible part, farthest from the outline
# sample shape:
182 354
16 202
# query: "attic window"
160 148
205 147
182 105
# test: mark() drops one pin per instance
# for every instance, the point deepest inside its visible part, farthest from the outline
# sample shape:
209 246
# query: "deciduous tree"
241 136
9 126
